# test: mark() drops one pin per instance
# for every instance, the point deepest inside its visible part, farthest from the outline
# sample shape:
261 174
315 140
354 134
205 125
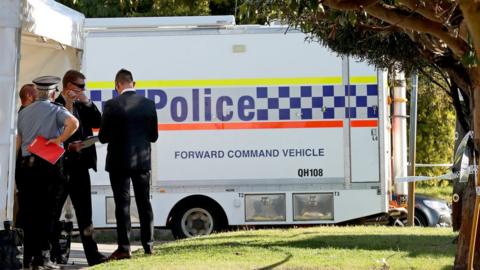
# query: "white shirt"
128 90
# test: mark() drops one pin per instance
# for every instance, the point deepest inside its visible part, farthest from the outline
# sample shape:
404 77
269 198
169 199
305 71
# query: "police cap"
46 83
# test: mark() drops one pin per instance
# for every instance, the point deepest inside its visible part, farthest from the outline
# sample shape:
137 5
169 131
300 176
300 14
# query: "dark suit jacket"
129 125
89 117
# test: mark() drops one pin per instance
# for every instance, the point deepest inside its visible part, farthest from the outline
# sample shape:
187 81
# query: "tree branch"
348 4
435 29
430 78
470 10
444 76
461 109
393 16
434 45
420 8
457 73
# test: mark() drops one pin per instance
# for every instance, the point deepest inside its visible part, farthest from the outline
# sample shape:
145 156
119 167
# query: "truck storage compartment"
265 207
312 206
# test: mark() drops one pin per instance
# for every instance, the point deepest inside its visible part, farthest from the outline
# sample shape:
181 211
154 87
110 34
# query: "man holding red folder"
41 178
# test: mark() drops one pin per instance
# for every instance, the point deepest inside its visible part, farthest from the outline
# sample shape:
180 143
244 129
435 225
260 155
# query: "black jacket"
89 117
129 125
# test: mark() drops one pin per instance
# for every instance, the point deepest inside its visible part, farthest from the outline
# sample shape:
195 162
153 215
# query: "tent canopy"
37 37
51 20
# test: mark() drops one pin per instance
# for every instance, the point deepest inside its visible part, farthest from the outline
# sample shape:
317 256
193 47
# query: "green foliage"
351 33
223 7
142 8
470 57
138 8
435 130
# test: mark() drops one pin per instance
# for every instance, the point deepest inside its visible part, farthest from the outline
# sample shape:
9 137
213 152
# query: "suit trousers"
40 181
79 188
120 181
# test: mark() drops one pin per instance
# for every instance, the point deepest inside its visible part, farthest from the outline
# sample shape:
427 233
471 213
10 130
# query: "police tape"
449 176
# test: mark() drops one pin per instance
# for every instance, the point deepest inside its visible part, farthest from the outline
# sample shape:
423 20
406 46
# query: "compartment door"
363 113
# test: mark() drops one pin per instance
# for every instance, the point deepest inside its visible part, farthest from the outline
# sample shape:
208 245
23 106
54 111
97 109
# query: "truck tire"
191 221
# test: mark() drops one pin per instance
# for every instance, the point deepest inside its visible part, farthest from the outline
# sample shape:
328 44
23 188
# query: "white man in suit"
129 125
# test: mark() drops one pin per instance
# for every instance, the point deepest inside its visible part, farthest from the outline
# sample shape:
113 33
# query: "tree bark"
426 11
458 188
469 196
471 11
461 258
394 17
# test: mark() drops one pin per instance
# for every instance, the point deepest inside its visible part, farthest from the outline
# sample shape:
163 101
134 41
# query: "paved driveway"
77 257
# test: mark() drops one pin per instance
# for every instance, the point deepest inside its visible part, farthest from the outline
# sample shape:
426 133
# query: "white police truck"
257 125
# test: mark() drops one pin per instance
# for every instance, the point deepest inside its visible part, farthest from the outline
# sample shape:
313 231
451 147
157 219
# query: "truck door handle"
374 134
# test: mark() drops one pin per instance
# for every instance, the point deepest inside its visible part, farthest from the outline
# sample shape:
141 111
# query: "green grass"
321 247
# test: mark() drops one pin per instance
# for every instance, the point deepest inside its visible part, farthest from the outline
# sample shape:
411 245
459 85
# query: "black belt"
28 161
32 160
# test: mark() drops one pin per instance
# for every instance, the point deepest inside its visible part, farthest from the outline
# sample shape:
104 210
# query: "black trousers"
39 181
77 185
120 181
20 184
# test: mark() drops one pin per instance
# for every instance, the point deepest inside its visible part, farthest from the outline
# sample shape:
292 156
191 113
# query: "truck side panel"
274 129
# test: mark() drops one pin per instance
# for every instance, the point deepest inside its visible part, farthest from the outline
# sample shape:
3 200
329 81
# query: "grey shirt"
41 118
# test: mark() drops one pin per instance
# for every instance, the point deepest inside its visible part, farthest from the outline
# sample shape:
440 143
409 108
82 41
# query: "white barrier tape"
407 179
449 176
472 169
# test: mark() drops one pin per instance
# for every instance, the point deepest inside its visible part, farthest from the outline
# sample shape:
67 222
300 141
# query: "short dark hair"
124 76
71 76
26 89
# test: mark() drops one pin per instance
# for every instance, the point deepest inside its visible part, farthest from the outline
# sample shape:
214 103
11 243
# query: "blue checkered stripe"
317 102
297 102
99 97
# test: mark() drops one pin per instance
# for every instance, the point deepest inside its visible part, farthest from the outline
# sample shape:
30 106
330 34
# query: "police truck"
258 125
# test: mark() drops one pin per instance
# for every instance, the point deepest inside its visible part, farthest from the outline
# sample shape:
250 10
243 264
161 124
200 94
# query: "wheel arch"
426 215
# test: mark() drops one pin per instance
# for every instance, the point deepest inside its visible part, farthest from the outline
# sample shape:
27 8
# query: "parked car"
432 212
429 212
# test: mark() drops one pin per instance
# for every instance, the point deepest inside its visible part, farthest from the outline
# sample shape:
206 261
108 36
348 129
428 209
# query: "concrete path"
77 257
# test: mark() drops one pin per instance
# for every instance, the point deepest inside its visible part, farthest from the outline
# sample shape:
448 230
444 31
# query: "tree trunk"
458 188
471 10
468 202
469 196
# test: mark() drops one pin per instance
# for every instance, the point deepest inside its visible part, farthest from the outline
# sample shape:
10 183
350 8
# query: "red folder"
49 152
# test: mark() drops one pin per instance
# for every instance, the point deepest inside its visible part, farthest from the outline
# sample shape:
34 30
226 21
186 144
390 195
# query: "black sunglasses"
81 86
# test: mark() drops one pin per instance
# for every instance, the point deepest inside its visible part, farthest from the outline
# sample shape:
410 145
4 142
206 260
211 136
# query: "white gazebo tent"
37 37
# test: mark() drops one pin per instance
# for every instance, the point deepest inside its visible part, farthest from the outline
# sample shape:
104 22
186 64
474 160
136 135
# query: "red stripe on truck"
364 123
265 125
255 125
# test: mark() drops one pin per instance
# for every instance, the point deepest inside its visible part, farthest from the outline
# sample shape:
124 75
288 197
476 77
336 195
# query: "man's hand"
75 146
83 98
57 141
70 96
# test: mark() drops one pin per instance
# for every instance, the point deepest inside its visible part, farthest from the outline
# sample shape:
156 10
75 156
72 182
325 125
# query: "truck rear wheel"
191 221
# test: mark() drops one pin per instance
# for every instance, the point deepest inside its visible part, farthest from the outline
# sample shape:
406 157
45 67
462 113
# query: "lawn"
320 247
